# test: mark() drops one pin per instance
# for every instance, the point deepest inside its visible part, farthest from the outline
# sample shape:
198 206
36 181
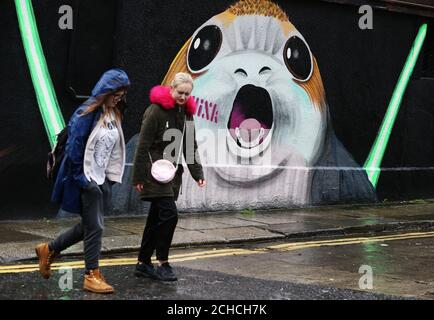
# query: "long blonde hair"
100 101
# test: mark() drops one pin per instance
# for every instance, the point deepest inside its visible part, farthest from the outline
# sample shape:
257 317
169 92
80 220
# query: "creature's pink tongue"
249 129
237 117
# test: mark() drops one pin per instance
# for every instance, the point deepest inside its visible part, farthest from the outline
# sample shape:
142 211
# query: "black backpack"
56 155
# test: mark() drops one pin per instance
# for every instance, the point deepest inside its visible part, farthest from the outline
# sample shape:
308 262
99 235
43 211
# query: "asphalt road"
398 266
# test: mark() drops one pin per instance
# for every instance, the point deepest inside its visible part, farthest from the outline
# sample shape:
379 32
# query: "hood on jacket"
161 95
111 80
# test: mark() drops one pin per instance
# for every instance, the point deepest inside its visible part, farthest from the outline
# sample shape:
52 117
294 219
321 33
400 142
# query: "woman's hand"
139 187
201 183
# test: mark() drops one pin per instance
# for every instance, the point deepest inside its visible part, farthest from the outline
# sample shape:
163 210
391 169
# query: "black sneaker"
165 273
145 270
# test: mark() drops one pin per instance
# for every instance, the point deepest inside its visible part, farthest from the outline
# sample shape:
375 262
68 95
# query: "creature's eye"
298 58
204 48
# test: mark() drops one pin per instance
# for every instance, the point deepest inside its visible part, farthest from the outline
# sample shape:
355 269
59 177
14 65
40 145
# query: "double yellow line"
225 252
126 261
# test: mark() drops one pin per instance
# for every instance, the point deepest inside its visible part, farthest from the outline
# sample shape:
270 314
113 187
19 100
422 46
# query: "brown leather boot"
95 282
46 257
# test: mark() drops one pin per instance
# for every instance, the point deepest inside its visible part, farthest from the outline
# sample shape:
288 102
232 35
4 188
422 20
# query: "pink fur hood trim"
161 95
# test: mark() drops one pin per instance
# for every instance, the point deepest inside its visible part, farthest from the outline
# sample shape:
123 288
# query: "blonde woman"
94 160
172 107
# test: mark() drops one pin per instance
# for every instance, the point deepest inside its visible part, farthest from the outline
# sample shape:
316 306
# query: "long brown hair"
99 102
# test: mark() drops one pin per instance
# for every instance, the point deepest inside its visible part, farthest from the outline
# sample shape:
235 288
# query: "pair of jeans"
95 201
159 229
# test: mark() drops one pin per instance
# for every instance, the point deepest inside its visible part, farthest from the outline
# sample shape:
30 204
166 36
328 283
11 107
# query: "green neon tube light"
373 162
45 94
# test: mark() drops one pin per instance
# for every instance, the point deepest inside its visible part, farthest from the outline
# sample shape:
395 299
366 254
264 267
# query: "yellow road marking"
122 261
225 252
336 242
127 261
80 263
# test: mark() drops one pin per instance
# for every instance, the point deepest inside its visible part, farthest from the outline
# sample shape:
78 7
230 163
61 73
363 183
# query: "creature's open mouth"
251 119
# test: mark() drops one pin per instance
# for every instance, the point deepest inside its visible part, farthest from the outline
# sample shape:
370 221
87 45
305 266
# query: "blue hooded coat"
70 178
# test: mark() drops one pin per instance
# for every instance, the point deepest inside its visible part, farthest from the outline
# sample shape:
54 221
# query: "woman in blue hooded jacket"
94 160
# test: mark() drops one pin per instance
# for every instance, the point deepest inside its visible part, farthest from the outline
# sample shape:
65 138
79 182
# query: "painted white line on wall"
312 168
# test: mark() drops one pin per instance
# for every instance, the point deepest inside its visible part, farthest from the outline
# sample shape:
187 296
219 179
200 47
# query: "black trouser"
159 229
95 201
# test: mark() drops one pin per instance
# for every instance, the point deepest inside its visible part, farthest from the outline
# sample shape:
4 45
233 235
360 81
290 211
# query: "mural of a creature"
263 125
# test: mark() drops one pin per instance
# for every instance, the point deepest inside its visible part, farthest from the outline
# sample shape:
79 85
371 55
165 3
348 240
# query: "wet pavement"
313 253
192 284
123 234
277 270
399 267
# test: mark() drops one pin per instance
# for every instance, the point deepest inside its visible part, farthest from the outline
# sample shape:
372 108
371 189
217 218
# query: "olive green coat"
156 120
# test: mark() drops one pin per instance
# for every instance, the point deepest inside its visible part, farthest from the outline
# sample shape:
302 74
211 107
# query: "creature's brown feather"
258 7
314 88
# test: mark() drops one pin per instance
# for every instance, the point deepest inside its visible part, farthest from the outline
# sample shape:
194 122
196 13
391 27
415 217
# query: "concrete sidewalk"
122 234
